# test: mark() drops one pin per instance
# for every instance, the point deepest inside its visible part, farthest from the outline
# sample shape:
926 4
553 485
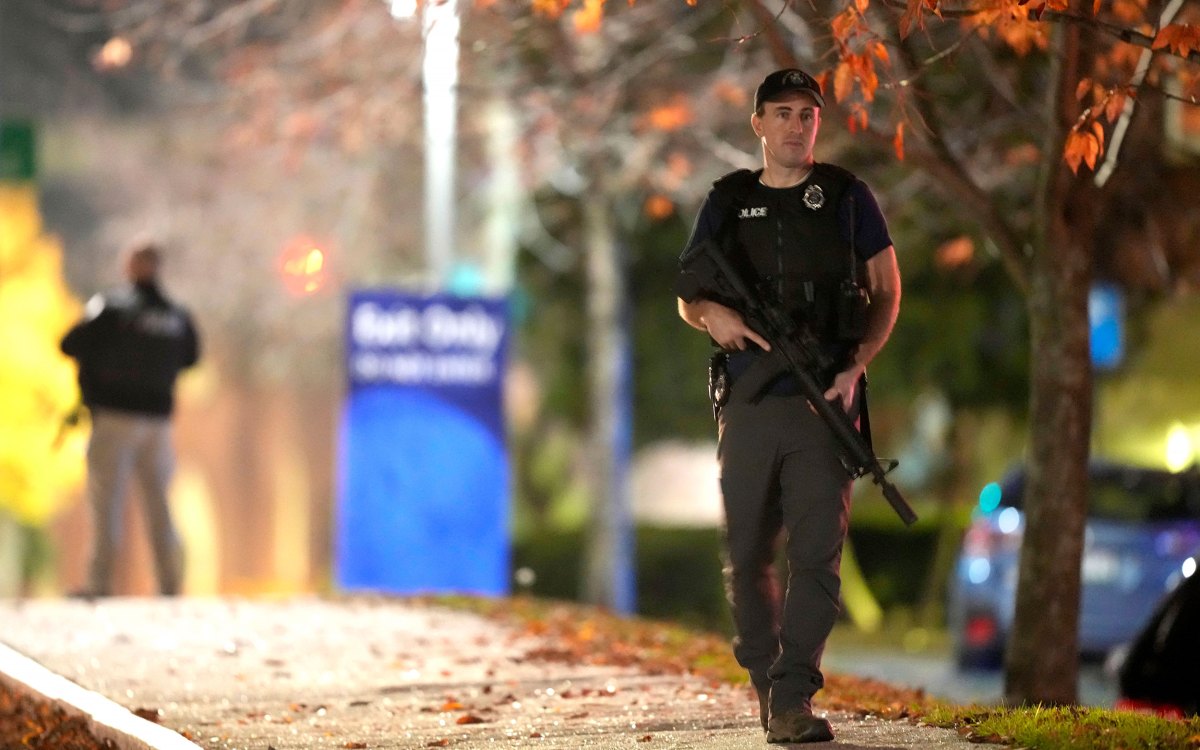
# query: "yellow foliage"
549 8
587 19
20 222
40 466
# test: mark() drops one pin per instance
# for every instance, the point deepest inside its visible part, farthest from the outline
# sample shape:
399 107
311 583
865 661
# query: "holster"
718 381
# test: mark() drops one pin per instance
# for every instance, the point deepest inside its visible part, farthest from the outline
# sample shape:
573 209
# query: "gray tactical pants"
781 476
124 445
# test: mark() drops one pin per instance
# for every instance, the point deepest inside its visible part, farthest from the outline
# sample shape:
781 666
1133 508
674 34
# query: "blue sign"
1106 315
424 477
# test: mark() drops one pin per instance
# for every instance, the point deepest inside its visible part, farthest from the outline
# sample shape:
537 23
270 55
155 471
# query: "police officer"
130 346
813 236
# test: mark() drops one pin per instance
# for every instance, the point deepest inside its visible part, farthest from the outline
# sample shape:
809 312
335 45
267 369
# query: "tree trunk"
952 492
1043 654
1042 664
608 578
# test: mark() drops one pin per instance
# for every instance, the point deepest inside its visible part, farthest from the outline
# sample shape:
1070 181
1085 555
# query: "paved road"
315 674
939 677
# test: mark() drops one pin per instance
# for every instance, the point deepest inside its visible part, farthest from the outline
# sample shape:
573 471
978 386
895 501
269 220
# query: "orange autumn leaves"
860 51
1085 142
1180 38
1019 24
586 19
863 62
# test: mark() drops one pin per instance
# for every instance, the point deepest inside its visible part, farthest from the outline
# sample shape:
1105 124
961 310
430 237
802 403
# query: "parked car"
1160 673
1142 525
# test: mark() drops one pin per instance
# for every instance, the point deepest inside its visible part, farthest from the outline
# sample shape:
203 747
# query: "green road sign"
17 160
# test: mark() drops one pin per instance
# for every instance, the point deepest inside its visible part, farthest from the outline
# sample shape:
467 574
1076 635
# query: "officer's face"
788 129
142 266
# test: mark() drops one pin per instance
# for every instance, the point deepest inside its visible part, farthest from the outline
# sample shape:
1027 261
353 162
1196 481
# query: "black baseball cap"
782 81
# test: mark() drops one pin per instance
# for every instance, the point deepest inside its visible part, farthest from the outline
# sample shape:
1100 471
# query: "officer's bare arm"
724 324
883 284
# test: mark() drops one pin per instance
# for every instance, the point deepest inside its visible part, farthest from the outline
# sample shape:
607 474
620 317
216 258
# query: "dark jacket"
130 347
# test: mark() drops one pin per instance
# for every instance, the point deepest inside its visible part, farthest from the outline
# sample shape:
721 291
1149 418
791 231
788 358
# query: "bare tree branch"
236 16
941 162
1124 34
1110 158
1127 35
781 51
767 19
78 21
735 157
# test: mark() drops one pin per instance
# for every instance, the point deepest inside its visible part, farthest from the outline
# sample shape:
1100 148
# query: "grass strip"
1063 727
590 635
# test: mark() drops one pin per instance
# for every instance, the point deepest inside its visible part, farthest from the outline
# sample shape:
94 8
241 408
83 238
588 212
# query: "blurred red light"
980 630
978 541
1162 710
303 266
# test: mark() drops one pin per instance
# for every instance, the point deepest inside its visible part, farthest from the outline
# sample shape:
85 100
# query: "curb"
106 719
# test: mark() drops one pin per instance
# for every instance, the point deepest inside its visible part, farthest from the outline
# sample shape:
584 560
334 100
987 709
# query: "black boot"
798 725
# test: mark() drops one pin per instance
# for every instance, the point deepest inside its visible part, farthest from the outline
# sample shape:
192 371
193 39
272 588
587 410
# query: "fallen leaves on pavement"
28 724
580 634
569 633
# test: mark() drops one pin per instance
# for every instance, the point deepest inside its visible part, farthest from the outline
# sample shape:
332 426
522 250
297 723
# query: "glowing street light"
115 54
440 26
1180 451
403 10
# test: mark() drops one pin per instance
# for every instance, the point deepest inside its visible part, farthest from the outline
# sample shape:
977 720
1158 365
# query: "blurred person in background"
805 230
130 346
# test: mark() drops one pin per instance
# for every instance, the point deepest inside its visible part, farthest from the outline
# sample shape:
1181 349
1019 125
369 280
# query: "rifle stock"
803 357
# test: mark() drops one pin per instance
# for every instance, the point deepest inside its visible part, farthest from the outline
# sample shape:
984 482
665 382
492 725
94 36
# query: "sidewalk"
308 673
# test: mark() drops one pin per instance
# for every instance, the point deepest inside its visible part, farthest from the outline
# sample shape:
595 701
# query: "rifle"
794 349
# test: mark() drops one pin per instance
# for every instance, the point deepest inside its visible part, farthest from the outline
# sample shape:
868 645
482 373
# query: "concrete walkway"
308 673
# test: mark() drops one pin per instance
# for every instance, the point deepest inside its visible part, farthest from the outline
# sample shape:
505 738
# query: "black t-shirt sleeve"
705 227
92 333
870 227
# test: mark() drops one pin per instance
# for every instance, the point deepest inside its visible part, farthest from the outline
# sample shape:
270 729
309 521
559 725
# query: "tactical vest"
790 241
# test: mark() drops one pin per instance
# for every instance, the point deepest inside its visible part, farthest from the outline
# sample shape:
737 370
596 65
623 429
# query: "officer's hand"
728 328
844 385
